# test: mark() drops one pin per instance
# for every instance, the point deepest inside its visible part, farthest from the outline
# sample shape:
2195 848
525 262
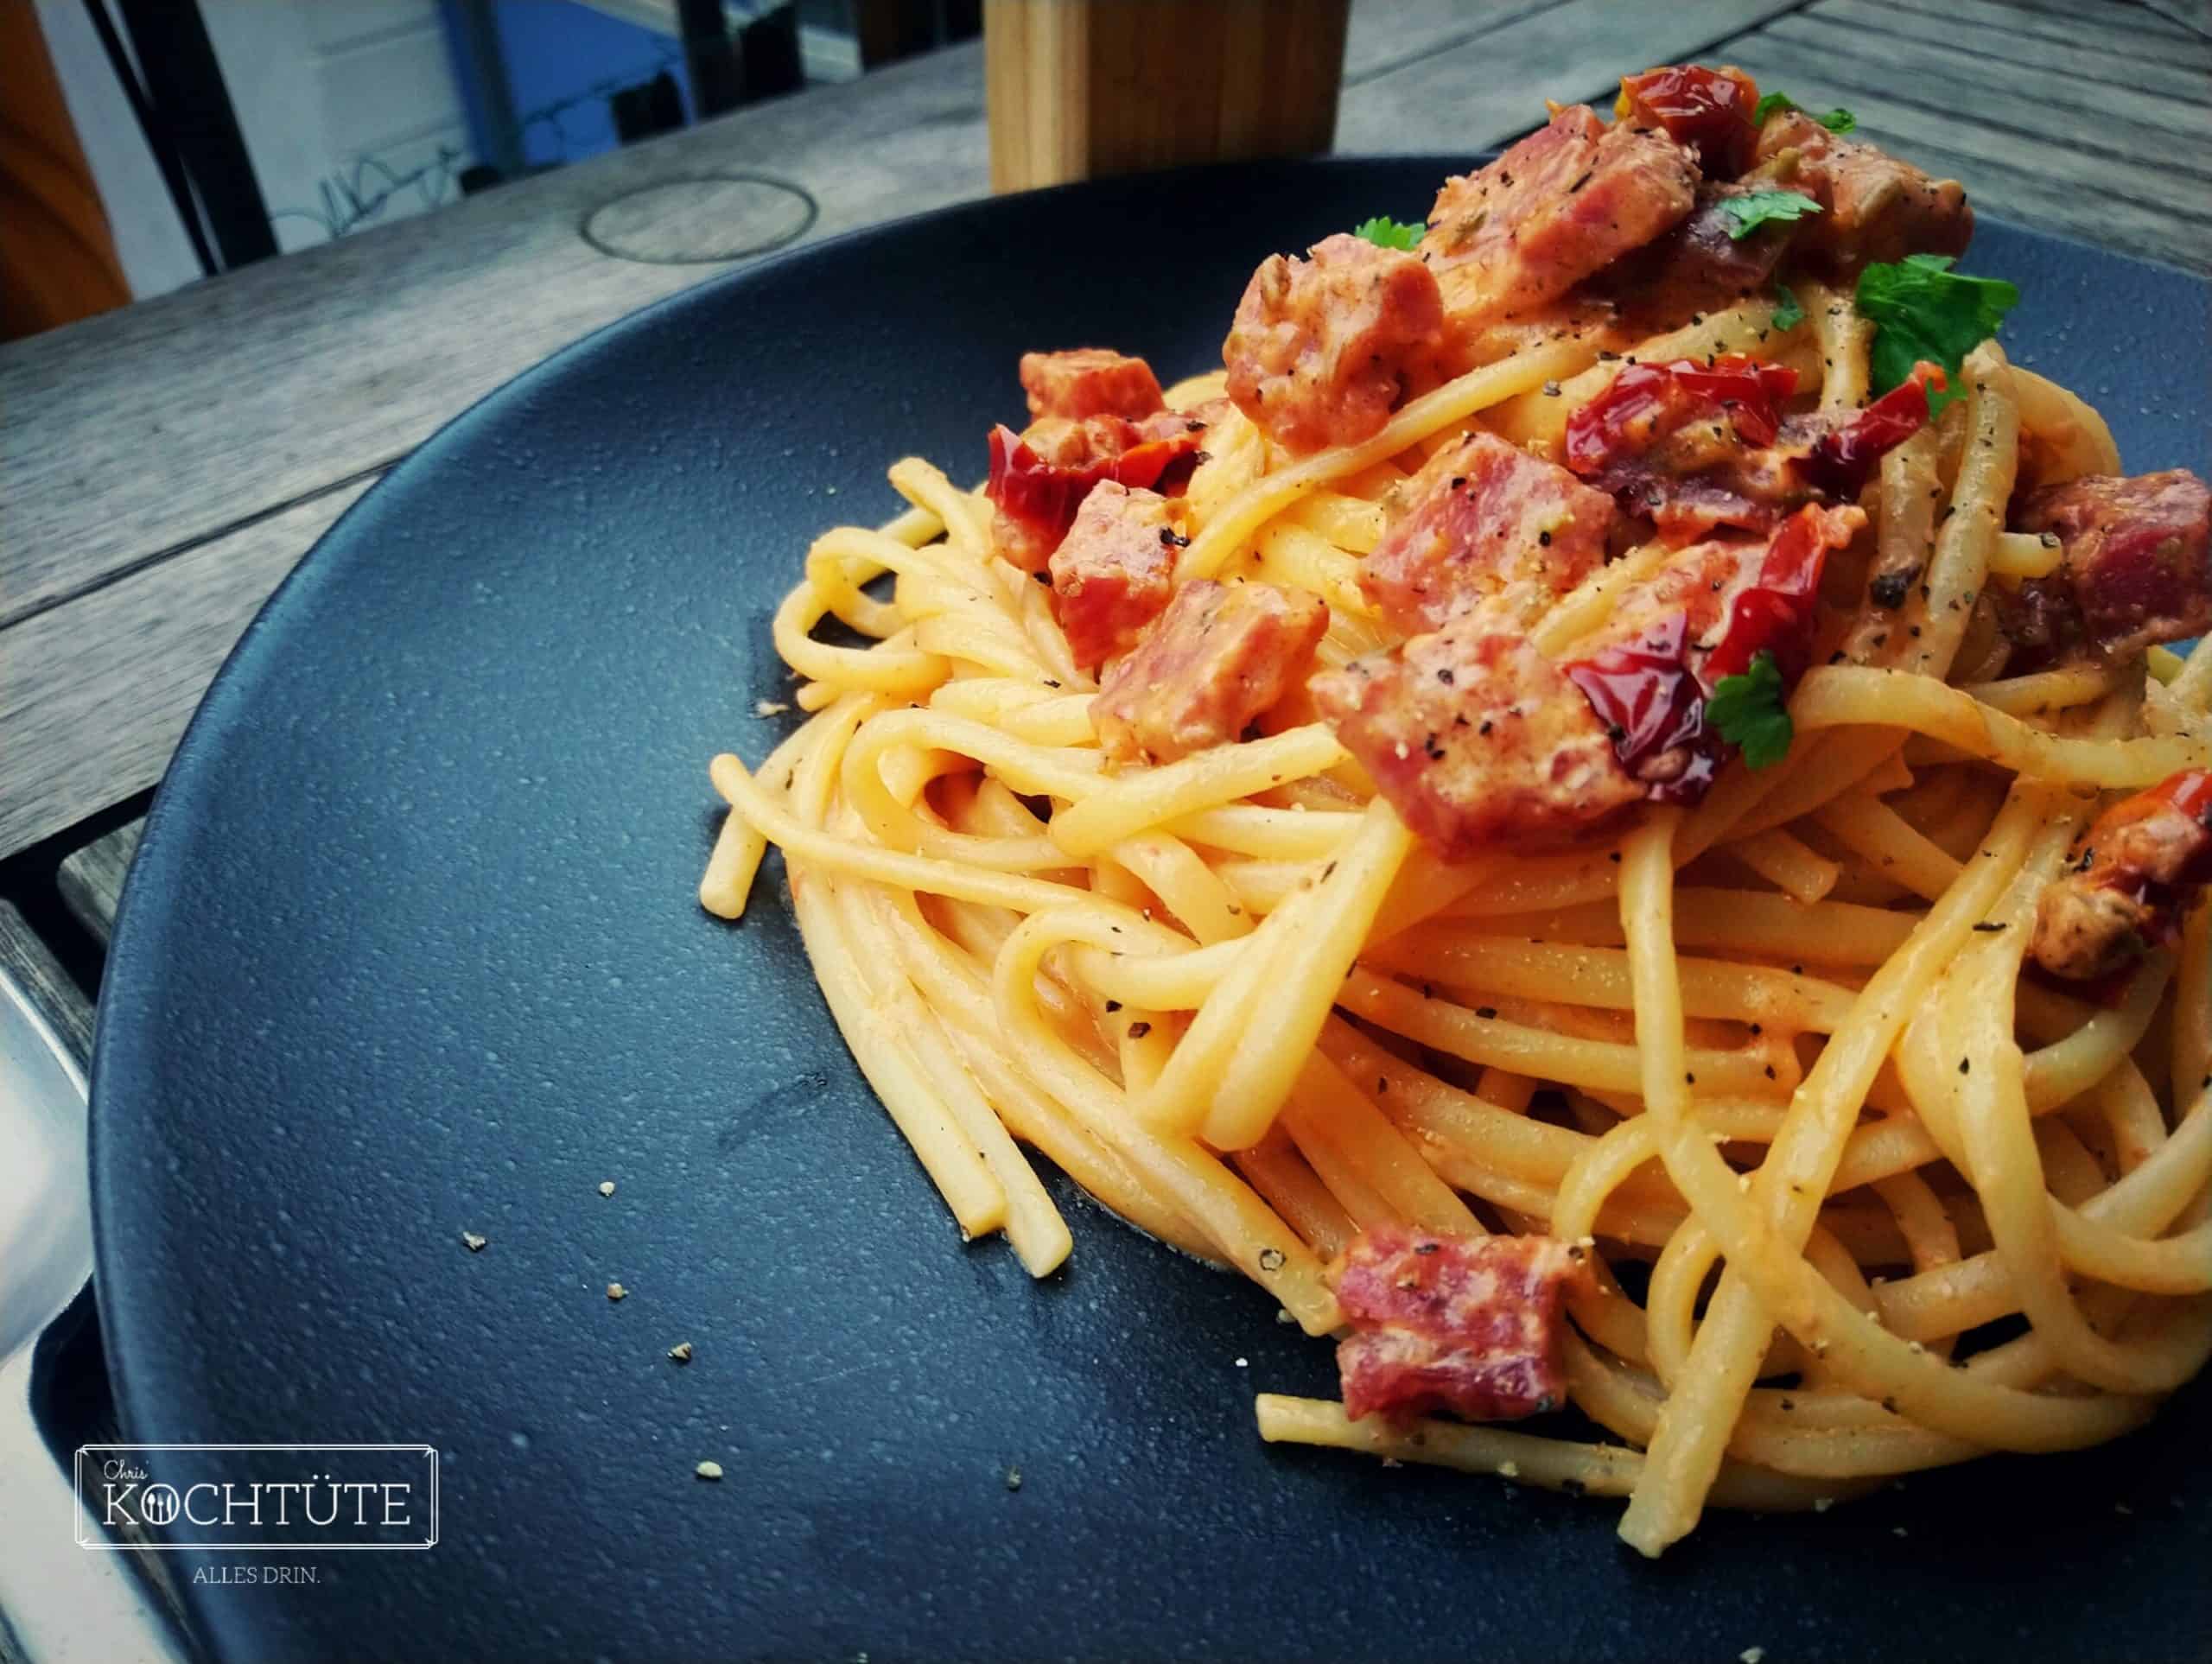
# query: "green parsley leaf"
1836 121
1788 314
1747 212
1749 711
1923 309
1387 233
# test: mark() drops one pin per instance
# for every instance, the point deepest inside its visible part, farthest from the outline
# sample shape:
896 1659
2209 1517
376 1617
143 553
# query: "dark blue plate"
411 948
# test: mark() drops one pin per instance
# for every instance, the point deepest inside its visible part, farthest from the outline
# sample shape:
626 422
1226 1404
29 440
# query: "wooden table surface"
162 468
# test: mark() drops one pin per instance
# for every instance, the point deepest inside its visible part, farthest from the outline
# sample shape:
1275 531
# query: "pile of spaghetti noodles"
1774 1057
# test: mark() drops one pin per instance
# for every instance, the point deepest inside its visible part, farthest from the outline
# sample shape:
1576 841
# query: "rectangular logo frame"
92 1537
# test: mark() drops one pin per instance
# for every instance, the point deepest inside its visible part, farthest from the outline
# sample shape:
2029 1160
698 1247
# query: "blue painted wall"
560 60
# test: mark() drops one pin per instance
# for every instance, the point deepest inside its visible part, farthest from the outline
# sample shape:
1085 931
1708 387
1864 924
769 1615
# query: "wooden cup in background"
1081 88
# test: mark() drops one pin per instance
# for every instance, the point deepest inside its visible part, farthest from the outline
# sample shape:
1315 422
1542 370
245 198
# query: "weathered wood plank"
2192 16
2139 158
54 993
1388 34
1491 87
94 696
91 879
2122 17
2044 183
346 357
2146 124
2119 46
2178 73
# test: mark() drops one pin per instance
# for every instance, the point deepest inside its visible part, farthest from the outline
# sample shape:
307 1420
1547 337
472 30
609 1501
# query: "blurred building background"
345 113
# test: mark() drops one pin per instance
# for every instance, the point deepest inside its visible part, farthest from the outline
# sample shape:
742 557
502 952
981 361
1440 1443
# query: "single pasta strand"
727 882
2069 425
901 673
1585 1470
2045 691
2027 554
1188 887
1278 1172
1575 614
1304 970
1801 873
2131 1114
1840 695
1267 834
1929 1230
1506 1089
1599 976
1344 519
1147 798
1846 341
1865 825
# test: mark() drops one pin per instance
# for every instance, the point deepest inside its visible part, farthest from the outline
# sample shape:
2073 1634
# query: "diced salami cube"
1484 519
1323 349
1218 656
1567 201
1874 208
1088 381
1113 573
1477 739
2137 569
1469 1325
